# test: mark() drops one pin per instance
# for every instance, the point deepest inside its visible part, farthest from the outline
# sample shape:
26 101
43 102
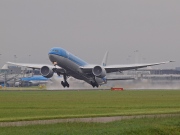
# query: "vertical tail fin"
104 62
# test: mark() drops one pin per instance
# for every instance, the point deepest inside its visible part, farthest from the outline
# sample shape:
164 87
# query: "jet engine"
99 71
46 72
100 81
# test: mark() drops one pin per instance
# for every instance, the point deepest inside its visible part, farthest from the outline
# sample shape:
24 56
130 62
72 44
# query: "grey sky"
88 28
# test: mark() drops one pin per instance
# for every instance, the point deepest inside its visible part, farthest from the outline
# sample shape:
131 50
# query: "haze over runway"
132 31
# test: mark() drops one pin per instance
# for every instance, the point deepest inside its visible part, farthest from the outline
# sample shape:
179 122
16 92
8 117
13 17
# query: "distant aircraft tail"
104 62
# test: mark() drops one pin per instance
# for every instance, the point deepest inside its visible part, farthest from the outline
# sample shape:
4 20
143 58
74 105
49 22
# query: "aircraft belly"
75 71
71 68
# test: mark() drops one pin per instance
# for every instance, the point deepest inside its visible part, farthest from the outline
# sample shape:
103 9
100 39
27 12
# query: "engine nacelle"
100 81
99 71
46 72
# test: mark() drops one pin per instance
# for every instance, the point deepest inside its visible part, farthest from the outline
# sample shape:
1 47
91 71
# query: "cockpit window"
56 50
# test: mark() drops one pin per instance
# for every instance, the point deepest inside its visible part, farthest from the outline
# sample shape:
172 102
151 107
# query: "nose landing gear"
65 83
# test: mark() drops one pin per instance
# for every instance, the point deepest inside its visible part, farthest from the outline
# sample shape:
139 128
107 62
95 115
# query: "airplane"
67 64
32 81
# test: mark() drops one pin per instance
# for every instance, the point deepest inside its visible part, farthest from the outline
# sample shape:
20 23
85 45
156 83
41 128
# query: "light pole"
15 58
136 56
29 58
129 59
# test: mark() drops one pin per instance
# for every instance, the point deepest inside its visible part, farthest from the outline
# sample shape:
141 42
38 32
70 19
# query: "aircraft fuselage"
72 65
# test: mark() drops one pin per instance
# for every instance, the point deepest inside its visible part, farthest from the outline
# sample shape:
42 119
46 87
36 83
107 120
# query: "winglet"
104 62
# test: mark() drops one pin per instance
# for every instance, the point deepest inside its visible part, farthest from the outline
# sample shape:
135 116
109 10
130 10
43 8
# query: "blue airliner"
67 64
32 81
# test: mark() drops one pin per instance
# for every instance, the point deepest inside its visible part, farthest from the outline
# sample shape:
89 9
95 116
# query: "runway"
93 119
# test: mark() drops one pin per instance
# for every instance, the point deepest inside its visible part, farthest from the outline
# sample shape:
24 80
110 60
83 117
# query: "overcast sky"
131 30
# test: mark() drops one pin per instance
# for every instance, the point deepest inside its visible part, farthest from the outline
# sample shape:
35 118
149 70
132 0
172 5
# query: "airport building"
9 75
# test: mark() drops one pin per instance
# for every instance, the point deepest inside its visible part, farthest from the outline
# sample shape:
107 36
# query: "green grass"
41 87
143 126
30 105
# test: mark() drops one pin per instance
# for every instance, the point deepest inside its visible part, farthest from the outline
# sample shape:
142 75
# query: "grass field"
41 87
143 126
31 105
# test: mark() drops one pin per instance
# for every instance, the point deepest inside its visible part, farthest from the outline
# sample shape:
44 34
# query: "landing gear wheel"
94 84
65 84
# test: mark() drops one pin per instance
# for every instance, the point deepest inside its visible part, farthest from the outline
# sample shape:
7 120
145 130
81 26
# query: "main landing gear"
65 83
94 84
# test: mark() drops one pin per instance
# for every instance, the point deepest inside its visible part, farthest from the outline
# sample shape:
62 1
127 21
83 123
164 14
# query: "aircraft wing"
119 68
114 79
33 66
115 68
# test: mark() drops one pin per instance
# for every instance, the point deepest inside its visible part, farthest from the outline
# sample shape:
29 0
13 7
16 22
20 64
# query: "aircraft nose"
51 57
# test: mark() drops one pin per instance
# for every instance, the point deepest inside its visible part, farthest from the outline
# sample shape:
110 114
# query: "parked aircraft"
32 81
67 64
